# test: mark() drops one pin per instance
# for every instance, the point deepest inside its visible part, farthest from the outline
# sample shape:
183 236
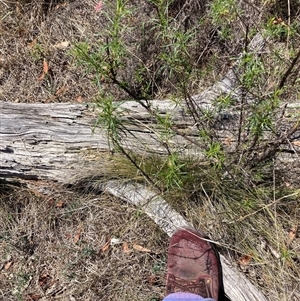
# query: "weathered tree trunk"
47 141
57 141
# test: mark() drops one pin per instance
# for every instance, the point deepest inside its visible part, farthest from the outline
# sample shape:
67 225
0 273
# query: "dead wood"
58 141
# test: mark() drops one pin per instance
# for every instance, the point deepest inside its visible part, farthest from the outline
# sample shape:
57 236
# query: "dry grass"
31 32
259 234
52 247
257 228
53 241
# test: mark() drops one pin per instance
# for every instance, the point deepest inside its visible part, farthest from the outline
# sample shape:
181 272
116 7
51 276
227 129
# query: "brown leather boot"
194 265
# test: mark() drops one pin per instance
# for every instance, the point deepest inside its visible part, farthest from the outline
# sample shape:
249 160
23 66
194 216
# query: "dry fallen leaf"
245 260
45 67
292 234
8 265
99 6
140 248
77 236
41 77
296 143
105 246
60 204
45 70
125 247
79 99
60 91
62 45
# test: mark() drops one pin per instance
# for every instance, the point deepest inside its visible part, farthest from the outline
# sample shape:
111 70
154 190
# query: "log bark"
58 142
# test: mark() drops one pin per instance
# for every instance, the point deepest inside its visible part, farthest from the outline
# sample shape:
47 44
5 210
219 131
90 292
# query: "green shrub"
166 61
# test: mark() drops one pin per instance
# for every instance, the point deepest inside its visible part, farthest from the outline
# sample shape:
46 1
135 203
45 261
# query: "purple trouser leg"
180 296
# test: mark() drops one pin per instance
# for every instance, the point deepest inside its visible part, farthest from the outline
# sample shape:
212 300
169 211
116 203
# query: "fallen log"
58 141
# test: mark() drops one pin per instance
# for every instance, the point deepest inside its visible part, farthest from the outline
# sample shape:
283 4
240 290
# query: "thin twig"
288 71
289 22
243 97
